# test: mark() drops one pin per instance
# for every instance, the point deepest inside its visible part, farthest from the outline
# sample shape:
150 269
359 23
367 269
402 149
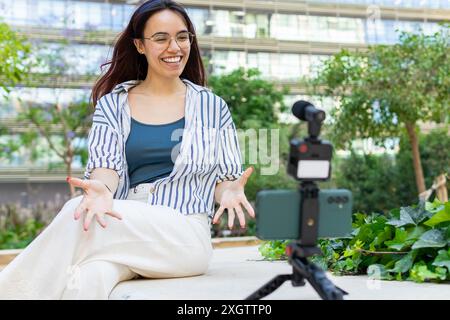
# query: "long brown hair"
127 64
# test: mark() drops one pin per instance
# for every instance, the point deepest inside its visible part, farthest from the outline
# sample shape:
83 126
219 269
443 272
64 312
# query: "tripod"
298 252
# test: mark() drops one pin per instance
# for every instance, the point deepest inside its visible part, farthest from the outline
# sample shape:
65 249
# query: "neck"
163 86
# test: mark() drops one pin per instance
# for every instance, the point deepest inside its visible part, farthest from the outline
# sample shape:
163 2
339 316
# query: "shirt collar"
127 85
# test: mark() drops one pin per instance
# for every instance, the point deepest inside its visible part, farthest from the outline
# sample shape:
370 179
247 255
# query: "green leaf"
404 264
273 250
443 259
442 215
421 273
418 213
415 233
405 218
399 241
434 206
431 239
381 238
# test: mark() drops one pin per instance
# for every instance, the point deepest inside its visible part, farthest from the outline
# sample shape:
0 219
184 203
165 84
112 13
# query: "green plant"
20 236
14 51
409 243
60 126
253 101
381 182
372 179
274 250
17 227
20 225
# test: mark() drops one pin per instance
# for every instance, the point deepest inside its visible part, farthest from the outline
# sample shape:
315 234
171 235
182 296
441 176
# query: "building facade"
286 39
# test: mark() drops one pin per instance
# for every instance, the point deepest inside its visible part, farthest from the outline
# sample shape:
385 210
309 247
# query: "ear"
139 46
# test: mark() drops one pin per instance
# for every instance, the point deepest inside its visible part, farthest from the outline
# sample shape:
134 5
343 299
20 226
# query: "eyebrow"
166 33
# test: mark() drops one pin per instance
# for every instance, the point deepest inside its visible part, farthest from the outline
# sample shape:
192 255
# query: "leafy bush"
274 250
21 225
409 243
251 98
380 182
372 180
20 236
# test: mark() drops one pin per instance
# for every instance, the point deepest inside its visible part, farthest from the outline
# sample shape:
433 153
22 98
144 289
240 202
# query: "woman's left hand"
232 198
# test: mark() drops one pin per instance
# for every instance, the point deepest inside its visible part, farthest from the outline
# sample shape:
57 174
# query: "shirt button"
152 189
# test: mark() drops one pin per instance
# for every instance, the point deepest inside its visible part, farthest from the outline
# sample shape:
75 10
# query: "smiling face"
165 57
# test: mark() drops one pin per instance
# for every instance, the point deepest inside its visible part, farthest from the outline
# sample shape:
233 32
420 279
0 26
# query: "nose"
173 45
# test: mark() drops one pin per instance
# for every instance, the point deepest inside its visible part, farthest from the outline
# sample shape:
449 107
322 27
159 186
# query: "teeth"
174 59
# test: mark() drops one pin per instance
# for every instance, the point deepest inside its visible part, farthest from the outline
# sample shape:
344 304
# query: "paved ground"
237 272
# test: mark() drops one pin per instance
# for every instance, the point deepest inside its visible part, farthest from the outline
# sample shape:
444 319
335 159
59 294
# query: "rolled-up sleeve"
103 148
229 153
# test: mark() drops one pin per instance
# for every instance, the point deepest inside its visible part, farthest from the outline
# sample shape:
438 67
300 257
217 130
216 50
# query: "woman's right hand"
97 201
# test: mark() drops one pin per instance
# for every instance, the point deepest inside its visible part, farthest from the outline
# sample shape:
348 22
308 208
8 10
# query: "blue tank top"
151 150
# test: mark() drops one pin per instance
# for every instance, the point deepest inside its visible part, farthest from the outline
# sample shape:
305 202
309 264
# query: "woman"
151 195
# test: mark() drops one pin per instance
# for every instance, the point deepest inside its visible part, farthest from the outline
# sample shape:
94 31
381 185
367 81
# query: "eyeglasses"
162 40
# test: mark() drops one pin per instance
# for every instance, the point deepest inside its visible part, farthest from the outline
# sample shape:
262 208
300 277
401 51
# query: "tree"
13 50
63 127
388 90
253 102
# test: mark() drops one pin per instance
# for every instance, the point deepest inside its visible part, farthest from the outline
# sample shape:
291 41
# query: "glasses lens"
184 39
161 39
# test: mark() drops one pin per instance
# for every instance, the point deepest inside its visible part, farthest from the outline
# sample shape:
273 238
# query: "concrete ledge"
6 256
235 242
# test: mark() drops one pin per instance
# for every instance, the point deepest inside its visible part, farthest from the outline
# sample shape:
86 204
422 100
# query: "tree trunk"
413 139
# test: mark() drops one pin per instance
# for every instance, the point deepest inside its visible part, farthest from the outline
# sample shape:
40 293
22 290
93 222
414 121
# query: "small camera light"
313 169
303 148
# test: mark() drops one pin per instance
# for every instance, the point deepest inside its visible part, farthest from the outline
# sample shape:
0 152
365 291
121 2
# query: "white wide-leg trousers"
66 262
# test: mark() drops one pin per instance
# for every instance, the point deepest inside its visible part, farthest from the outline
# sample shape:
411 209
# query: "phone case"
277 214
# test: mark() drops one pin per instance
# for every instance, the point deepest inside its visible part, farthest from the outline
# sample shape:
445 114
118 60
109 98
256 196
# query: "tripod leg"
326 289
318 279
269 287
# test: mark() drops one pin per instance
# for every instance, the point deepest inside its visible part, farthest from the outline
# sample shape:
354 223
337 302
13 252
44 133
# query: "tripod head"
309 161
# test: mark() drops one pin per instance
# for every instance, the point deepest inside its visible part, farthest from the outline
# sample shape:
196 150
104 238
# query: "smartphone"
278 216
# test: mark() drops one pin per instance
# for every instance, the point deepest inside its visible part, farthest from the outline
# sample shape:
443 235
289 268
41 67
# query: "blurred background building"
285 39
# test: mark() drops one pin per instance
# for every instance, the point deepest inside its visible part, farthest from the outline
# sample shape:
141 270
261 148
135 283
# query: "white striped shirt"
209 150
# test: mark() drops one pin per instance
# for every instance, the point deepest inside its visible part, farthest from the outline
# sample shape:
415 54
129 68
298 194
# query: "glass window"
288 67
200 19
226 61
75 59
260 60
257 25
88 15
51 13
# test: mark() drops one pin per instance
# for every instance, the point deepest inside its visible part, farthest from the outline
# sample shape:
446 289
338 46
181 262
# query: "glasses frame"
191 39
